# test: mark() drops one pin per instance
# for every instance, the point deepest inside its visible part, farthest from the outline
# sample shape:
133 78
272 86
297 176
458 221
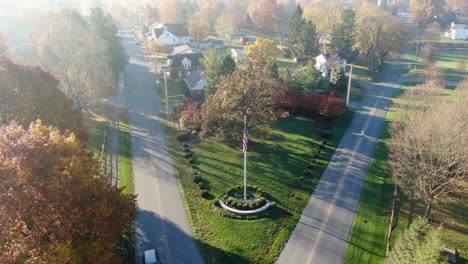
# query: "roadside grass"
127 243
125 154
96 123
367 243
368 240
174 88
360 70
274 164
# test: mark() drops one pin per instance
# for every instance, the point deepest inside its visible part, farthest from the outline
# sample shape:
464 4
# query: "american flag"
245 140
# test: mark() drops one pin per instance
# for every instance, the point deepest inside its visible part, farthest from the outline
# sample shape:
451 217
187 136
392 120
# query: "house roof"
179 30
184 49
195 79
176 60
238 51
327 56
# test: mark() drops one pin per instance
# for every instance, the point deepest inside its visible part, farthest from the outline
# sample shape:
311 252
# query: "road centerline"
340 186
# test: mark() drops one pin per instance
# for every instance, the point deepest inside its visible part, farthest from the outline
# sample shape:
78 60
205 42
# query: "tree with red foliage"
190 116
312 102
55 207
290 101
332 106
265 15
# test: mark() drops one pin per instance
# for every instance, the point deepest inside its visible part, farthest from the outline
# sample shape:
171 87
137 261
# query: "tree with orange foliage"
55 207
171 11
265 15
263 50
28 93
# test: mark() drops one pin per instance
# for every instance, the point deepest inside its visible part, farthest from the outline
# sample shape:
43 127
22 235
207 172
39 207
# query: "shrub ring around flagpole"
255 203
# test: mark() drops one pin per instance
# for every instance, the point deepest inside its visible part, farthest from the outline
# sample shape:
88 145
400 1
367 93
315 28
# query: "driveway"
323 230
162 220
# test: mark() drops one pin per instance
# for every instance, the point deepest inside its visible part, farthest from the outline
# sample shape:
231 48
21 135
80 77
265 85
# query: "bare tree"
378 36
68 48
428 153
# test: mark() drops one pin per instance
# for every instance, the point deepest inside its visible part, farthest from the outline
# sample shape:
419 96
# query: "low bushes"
326 133
184 136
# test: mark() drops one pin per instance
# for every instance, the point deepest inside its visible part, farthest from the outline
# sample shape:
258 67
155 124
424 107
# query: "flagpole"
245 161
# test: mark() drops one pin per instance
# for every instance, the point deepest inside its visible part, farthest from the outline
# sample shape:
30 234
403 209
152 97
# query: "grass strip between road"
275 164
368 240
125 154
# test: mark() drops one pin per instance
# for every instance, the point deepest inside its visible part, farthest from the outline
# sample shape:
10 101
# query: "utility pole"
165 89
349 84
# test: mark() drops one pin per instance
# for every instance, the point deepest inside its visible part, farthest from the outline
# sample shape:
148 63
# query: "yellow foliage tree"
263 50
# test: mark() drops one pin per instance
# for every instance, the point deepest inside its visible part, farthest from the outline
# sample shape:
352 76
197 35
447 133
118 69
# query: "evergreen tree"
418 244
301 36
343 38
216 66
228 65
338 79
272 68
307 78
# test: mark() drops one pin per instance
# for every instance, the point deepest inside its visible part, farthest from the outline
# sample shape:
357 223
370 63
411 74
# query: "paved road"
323 230
162 221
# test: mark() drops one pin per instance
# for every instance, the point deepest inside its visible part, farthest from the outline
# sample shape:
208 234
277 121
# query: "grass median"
275 164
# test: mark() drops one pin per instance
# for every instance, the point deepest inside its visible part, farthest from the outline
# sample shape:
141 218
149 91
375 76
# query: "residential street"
162 221
323 230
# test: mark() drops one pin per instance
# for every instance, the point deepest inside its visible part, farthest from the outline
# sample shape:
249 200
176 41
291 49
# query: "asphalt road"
323 230
162 221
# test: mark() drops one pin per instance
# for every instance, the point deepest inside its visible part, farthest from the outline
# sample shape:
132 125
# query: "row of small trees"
428 153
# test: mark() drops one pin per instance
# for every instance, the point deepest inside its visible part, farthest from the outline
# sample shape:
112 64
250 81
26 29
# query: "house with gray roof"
196 82
182 61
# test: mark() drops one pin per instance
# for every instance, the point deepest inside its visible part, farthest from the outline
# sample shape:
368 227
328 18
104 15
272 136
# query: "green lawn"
174 87
283 62
275 165
447 59
368 240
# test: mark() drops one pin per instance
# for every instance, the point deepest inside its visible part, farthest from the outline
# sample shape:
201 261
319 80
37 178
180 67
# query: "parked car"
151 257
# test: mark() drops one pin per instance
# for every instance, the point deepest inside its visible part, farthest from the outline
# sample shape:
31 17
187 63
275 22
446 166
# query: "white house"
238 54
458 31
169 34
326 62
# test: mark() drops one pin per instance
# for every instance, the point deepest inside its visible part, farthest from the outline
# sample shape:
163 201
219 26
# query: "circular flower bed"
234 201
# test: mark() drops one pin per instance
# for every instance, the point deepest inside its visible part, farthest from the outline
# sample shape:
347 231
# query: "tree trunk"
427 213
411 210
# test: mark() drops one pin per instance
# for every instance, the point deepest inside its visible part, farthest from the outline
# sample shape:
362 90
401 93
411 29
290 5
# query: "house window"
180 74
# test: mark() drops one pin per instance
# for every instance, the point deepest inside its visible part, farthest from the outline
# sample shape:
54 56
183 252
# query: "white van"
150 257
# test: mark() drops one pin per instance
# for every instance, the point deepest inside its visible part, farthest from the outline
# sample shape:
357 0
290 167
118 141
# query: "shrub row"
194 173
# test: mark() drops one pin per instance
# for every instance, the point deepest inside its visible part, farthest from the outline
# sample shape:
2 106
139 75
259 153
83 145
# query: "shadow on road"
177 247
